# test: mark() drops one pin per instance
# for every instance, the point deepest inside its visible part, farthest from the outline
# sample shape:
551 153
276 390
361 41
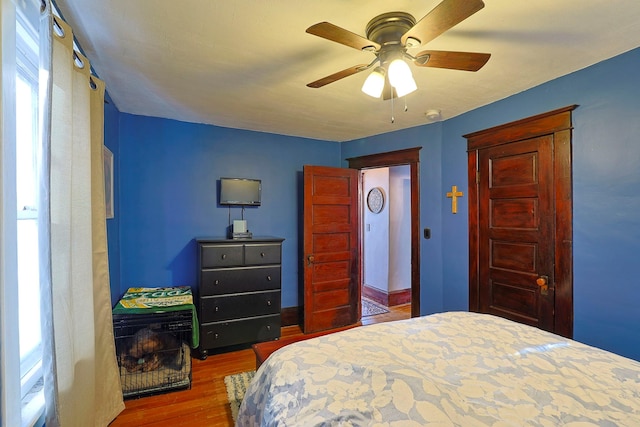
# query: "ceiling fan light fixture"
374 84
401 78
406 87
390 35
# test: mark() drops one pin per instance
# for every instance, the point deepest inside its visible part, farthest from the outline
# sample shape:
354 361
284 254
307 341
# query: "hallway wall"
375 236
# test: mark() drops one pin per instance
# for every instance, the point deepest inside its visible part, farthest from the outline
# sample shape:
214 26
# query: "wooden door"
516 224
520 221
331 243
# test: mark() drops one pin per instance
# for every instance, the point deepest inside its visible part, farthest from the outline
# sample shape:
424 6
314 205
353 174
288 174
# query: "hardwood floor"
205 404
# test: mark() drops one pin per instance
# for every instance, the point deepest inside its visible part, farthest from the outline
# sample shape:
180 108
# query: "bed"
447 369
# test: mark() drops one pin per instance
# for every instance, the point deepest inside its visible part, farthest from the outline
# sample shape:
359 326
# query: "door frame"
556 123
411 157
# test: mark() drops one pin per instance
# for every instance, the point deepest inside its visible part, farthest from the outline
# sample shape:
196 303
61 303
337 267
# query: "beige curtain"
82 381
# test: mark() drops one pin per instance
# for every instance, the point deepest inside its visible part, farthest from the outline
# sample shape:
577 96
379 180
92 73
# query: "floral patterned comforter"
448 369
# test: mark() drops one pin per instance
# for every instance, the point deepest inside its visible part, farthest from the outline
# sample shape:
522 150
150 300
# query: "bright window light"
27 101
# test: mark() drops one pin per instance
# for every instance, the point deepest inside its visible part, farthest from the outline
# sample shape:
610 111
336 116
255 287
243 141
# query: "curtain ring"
58 28
76 58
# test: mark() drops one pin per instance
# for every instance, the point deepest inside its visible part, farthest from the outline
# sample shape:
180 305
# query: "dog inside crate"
152 358
148 350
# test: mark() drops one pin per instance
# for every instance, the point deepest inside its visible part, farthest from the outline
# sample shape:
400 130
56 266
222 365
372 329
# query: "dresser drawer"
232 332
258 254
236 280
213 309
212 256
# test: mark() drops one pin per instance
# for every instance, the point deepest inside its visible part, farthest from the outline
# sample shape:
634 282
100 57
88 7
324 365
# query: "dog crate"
153 351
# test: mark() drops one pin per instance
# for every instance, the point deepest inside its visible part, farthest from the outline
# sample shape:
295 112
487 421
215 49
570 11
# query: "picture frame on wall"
375 200
107 158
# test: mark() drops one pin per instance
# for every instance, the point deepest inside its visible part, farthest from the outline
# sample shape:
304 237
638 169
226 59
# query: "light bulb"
406 87
374 84
401 78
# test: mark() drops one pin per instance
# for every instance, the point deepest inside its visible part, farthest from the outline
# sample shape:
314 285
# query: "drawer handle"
262 254
217 308
268 327
224 256
268 303
268 278
215 335
217 282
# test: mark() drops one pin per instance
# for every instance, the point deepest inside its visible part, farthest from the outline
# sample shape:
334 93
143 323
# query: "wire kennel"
153 352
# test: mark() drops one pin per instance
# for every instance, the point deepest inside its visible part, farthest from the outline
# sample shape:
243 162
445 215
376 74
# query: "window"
30 337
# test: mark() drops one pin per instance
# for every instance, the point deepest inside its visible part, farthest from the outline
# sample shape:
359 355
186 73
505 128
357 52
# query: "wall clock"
375 200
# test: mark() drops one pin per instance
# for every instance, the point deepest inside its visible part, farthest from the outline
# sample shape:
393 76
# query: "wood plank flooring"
205 404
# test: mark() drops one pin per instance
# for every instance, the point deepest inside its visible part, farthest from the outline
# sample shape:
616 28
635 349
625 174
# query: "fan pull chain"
406 107
393 119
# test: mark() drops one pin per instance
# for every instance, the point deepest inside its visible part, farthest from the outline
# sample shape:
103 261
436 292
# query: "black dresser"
238 295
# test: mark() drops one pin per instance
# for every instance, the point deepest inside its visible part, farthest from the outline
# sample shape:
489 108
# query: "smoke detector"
433 115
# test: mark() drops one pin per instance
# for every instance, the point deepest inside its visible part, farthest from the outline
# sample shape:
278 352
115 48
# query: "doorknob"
543 283
310 259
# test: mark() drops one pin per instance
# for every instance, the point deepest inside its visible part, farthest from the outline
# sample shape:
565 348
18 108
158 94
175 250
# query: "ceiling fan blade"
337 76
465 61
441 18
337 34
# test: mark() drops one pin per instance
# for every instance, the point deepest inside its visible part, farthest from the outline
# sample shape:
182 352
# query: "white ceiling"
245 64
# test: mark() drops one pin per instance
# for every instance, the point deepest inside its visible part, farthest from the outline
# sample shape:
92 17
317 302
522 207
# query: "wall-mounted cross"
453 195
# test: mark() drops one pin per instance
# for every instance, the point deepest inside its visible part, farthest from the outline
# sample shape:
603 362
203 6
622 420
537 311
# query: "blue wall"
167 195
170 173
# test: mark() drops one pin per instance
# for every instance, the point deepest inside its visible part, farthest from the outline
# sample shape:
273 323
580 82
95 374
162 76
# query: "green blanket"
160 300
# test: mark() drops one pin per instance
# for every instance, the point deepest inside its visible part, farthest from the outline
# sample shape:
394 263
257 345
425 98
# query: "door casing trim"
411 157
557 123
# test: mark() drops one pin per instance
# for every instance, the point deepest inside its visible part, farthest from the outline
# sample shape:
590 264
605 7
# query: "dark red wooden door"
520 221
516 231
331 243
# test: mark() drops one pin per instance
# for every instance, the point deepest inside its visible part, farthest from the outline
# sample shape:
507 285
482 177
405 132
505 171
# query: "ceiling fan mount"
389 35
387 29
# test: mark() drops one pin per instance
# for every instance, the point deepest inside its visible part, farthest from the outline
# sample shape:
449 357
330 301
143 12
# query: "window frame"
9 355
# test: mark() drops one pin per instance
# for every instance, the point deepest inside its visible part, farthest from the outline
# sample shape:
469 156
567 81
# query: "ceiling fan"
390 35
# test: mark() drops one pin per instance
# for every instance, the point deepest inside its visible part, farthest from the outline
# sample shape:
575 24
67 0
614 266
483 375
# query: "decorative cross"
453 195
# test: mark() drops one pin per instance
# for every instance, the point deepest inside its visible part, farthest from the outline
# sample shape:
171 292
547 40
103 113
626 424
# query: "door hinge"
477 177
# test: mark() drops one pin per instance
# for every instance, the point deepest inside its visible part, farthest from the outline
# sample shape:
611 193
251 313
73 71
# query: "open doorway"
411 158
386 239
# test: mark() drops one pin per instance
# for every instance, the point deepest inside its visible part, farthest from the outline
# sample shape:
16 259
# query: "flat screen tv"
240 191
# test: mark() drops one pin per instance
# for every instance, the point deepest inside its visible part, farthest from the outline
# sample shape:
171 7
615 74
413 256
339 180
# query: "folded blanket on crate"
160 300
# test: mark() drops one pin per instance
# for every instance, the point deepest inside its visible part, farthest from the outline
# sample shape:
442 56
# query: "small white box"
239 226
